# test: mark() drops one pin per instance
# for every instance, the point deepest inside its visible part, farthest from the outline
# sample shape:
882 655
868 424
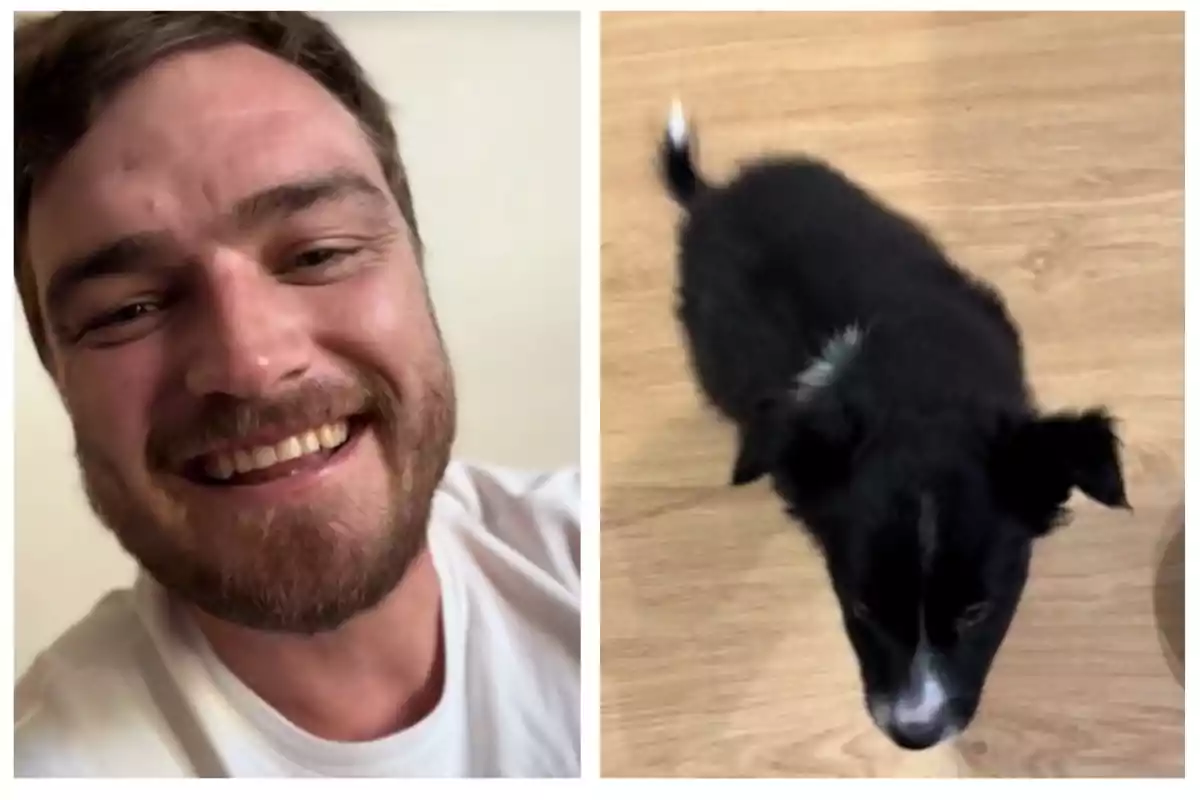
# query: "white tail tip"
677 128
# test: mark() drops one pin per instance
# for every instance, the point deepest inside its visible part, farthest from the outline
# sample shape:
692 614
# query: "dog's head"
928 540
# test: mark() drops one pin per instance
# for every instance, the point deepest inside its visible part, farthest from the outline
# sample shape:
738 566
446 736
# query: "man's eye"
126 313
320 257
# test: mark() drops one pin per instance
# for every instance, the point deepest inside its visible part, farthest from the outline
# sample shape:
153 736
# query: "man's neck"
378 674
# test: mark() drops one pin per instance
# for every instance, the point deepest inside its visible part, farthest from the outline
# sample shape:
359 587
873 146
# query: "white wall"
487 106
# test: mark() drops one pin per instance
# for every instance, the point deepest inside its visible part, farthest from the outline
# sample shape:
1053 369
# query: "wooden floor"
1047 152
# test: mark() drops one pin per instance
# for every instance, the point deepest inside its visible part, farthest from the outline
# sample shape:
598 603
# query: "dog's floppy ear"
817 432
1039 461
762 439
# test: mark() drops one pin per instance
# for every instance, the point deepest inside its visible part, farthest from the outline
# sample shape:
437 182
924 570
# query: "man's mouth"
303 450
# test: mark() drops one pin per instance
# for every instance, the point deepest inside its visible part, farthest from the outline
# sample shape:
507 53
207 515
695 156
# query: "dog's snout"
920 735
918 717
921 704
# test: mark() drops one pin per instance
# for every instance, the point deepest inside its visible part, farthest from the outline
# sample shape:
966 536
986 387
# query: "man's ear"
1040 461
814 437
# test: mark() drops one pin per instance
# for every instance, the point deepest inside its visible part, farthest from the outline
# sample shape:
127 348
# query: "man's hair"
70 65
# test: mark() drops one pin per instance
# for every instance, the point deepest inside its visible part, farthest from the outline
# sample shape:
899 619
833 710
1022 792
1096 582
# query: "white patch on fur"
677 127
924 705
835 355
923 702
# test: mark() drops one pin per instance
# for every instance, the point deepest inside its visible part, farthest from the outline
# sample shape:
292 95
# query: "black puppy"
882 390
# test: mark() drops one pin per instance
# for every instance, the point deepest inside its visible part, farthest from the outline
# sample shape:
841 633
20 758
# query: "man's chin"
301 553
315 604
283 577
302 567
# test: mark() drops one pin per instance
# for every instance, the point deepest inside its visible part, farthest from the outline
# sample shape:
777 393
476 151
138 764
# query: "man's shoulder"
87 683
95 644
511 538
557 487
532 516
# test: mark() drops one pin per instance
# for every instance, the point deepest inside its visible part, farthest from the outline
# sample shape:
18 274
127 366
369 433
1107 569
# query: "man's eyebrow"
129 255
291 198
126 256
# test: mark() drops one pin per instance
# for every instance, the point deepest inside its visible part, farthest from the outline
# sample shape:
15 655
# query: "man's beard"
304 567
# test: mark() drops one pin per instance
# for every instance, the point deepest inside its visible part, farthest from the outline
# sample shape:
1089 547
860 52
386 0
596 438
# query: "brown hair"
70 65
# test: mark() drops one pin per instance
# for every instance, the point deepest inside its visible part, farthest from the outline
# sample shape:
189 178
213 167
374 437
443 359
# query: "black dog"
882 390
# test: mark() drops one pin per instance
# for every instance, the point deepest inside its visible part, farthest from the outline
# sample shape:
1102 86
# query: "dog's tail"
678 168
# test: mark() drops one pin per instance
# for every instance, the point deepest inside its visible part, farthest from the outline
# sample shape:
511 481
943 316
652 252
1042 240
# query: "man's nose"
251 334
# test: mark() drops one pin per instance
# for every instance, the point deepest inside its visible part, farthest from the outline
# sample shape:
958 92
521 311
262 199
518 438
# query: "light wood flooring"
1046 150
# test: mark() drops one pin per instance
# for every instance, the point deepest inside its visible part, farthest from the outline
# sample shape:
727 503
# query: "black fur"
933 403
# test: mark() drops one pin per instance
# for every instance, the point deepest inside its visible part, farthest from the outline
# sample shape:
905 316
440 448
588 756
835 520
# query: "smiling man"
219 262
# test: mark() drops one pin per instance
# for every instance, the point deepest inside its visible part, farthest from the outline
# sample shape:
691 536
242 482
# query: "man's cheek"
384 322
108 422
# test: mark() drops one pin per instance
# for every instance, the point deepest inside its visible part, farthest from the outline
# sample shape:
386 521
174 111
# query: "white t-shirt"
132 691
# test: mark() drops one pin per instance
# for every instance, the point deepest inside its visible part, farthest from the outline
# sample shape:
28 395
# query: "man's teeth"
224 466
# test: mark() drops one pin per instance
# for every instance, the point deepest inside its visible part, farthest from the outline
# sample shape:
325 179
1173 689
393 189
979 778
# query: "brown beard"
294 569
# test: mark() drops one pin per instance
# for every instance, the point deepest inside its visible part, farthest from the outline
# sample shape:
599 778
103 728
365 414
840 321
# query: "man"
218 259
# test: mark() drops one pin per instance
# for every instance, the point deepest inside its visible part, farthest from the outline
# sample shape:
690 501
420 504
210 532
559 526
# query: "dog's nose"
920 716
919 735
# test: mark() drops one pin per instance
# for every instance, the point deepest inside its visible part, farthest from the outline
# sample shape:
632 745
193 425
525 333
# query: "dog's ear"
811 436
762 439
1039 461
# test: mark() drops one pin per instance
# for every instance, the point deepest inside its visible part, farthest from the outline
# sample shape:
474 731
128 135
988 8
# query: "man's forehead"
215 76
161 159
184 102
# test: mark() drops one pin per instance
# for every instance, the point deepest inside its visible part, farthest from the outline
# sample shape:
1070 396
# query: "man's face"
242 336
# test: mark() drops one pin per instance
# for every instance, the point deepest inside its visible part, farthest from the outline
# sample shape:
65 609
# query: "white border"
589 448
7 404
589 371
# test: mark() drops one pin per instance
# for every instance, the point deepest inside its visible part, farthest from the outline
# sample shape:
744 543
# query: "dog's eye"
973 615
860 611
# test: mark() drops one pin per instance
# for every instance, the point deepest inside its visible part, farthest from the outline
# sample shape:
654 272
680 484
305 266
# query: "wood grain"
1046 151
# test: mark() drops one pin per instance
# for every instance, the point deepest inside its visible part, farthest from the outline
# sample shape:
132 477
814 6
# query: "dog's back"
791 255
